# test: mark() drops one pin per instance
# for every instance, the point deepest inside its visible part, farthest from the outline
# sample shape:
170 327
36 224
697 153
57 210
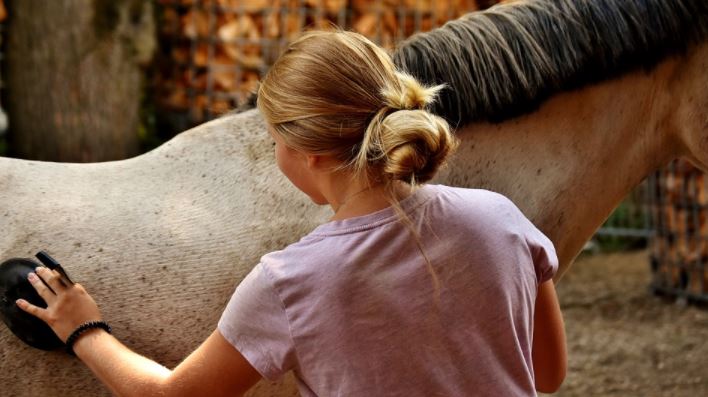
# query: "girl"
409 290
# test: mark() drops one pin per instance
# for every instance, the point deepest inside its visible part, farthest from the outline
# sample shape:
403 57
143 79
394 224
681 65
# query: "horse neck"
570 163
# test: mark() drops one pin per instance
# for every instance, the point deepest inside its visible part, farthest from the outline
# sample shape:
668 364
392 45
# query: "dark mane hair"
505 61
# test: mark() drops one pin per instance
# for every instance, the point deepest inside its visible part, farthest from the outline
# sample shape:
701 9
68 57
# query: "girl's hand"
67 307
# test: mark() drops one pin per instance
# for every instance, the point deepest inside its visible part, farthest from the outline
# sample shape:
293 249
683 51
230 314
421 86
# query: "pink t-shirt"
353 310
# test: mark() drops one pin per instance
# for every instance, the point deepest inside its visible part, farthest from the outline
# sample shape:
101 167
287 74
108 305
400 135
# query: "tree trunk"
74 78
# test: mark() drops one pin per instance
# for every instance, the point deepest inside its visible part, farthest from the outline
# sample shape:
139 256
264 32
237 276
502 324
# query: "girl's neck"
363 200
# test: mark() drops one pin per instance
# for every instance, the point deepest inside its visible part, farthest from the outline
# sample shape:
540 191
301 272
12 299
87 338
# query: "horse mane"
503 62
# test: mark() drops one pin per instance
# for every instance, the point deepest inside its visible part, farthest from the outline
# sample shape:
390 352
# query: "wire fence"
668 213
678 206
214 51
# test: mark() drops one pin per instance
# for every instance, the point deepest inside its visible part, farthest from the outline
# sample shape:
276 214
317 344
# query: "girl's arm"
216 368
549 349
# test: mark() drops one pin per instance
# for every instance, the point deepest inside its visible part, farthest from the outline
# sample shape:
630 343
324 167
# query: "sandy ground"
622 340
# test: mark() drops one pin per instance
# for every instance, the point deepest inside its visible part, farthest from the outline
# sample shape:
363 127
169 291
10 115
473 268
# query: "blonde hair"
336 93
339 94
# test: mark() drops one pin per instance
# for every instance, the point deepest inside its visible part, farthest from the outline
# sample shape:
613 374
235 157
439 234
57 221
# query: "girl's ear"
321 162
316 161
313 161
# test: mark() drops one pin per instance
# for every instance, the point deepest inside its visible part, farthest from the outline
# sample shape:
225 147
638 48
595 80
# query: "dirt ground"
622 340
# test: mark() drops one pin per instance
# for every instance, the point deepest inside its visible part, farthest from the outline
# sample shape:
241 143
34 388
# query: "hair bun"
408 93
415 143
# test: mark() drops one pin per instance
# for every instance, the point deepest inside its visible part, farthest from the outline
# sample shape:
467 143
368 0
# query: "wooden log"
180 55
688 193
247 6
170 25
670 219
272 22
701 196
366 6
3 11
293 23
702 223
657 247
176 99
699 248
674 275
389 22
224 73
198 107
250 81
671 251
660 258
195 24
241 27
224 79
201 55
671 186
439 7
330 6
247 55
682 235
695 280
366 24
196 80
693 254
246 58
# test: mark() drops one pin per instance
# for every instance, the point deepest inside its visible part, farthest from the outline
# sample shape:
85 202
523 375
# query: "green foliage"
147 129
628 215
620 243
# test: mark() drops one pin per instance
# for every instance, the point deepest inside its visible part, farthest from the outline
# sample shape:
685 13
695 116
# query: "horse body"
161 240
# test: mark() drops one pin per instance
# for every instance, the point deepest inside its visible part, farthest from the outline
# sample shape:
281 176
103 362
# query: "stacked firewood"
680 247
215 51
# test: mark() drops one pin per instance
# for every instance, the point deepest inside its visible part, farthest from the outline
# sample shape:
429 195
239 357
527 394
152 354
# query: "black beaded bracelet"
81 329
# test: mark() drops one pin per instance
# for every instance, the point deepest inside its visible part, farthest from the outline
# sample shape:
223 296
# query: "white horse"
162 239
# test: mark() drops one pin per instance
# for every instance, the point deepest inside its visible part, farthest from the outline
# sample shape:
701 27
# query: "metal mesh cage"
679 249
213 52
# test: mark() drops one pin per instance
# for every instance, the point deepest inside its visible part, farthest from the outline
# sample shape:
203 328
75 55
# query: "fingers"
51 277
32 309
43 291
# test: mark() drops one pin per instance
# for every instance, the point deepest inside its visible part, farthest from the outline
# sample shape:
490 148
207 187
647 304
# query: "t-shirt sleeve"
255 323
543 253
545 259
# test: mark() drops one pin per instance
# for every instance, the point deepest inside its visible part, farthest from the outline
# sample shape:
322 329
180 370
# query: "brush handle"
52 264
